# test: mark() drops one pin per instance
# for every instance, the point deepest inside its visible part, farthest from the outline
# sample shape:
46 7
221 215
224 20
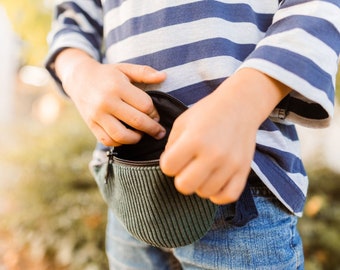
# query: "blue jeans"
270 241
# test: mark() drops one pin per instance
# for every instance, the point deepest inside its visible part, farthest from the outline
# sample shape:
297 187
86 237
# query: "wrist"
254 93
70 64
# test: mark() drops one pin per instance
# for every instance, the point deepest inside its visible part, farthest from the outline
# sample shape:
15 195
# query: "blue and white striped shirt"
201 43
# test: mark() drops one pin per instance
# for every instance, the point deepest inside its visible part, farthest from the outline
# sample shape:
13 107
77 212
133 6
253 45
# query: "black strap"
245 208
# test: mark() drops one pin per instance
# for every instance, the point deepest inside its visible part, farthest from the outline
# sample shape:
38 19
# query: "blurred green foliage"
320 225
31 21
59 215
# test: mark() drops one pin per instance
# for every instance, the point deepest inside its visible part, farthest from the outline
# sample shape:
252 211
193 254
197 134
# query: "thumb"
142 73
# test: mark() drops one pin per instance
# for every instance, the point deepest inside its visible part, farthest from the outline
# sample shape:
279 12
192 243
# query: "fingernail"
159 74
160 134
156 118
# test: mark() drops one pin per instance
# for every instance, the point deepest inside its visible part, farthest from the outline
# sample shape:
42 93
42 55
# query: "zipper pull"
109 171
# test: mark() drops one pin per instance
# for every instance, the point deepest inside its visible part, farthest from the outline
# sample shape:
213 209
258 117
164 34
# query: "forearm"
301 49
255 92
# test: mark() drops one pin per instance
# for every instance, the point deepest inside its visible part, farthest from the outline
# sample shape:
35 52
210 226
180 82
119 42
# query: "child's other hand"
211 145
210 150
105 97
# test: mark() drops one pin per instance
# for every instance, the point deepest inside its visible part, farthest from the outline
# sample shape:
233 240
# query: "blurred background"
51 213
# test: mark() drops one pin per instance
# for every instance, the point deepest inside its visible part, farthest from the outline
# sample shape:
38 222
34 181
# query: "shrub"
320 224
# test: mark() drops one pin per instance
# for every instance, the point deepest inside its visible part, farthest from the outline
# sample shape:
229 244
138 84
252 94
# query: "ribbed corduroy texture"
152 210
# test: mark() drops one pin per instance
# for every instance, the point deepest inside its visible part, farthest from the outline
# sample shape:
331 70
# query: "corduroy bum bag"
143 198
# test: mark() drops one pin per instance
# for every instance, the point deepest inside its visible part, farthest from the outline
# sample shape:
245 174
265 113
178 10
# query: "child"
247 70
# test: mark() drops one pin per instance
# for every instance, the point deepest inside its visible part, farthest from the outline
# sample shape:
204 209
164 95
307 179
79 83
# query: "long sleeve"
76 24
301 49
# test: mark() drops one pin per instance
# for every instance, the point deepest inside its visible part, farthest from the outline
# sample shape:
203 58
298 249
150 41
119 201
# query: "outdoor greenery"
57 216
320 224
31 21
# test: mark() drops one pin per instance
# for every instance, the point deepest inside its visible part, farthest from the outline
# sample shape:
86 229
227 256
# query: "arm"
76 24
104 94
301 49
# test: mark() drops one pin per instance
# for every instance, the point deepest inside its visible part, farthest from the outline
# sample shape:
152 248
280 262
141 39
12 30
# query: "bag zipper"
136 163
109 170
112 158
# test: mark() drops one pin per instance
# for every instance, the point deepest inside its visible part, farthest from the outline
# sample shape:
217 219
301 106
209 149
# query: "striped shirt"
201 43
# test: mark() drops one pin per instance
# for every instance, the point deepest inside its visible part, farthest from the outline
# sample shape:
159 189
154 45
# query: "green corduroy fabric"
147 203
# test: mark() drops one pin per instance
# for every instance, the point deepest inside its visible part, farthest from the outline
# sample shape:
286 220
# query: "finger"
214 183
177 132
192 177
138 120
111 132
138 99
177 156
102 136
231 191
142 73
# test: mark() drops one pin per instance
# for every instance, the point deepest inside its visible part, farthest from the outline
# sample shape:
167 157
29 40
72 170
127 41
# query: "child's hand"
105 97
211 145
210 150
